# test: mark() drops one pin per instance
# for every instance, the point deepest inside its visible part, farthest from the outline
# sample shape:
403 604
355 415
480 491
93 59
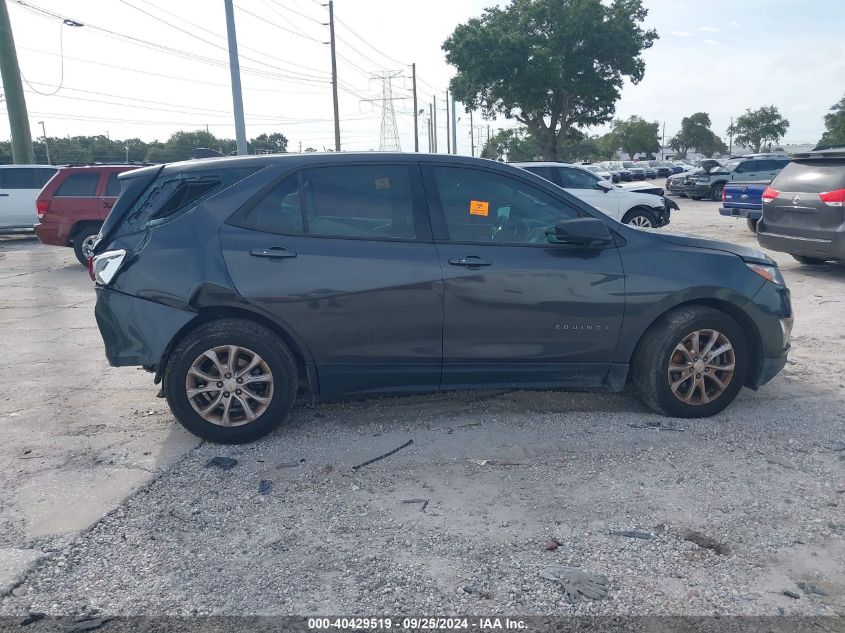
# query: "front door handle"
471 261
274 252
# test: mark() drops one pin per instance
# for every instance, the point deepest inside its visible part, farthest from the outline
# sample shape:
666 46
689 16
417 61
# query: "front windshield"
629 163
730 166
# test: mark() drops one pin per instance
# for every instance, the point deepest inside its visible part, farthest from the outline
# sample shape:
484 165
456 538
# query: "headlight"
769 273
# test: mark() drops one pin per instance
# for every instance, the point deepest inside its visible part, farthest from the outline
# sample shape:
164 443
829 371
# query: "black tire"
245 334
656 349
638 216
809 261
716 192
752 225
82 240
695 197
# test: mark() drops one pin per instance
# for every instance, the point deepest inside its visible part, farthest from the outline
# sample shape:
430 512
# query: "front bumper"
136 331
698 190
769 368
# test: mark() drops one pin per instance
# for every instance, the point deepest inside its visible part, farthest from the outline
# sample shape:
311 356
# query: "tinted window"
811 176
113 185
358 201
549 173
578 179
279 211
25 178
79 184
481 206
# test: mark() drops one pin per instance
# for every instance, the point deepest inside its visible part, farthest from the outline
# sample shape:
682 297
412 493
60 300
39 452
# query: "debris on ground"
656 426
265 487
223 463
780 461
424 503
835 445
811 589
632 534
290 464
577 582
706 542
552 544
791 594
380 457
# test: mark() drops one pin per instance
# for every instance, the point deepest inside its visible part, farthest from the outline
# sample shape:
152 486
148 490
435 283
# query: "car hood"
745 253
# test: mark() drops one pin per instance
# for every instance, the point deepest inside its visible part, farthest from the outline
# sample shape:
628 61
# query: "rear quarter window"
79 185
811 176
25 177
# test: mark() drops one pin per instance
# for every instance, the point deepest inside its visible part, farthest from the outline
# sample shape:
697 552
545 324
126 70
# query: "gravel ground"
717 516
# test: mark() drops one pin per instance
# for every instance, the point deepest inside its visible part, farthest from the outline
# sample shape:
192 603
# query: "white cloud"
709 29
681 34
734 24
711 42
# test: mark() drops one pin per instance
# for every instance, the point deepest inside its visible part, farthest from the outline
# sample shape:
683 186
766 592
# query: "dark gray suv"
803 208
242 282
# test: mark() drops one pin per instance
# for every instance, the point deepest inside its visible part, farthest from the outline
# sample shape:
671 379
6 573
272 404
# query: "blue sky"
716 56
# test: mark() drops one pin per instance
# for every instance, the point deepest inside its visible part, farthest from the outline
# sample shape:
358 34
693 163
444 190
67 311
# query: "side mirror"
584 231
604 185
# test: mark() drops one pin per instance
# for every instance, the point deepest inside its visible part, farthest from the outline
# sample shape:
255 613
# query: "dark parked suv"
803 208
241 282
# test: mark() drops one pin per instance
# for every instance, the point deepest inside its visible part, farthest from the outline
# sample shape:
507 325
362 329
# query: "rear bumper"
52 233
136 331
833 248
753 214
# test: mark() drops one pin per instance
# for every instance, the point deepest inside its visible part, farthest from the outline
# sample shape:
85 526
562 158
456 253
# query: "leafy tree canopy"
834 123
758 127
636 136
550 64
695 134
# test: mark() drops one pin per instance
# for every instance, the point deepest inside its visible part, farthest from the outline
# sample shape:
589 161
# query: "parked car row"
709 177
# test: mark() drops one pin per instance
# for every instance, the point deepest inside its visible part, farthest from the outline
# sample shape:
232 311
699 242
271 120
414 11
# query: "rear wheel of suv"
810 261
641 217
691 363
231 381
716 192
83 242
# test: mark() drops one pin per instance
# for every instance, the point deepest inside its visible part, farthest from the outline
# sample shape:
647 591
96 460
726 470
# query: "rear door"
109 191
798 210
19 187
519 309
342 256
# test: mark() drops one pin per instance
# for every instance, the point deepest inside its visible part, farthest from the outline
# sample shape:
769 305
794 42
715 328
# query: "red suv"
73 204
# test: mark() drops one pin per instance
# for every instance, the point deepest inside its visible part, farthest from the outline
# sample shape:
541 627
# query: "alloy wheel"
641 220
701 367
88 245
229 385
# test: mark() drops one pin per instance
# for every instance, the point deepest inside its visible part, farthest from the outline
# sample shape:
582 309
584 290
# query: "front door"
519 309
582 184
342 257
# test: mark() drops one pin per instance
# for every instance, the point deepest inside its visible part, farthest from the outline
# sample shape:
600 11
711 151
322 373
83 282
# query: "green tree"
834 123
695 133
275 143
756 127
636 136
515 144
550 64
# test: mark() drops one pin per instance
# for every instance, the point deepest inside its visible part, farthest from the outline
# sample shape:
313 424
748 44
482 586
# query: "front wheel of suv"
716 192
691 363
231 381
641 217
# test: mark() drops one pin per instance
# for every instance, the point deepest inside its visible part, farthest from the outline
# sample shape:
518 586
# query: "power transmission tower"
389 137
235 70
22 151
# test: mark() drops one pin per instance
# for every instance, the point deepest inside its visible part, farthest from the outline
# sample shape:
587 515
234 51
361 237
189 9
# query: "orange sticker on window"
479 207
382 183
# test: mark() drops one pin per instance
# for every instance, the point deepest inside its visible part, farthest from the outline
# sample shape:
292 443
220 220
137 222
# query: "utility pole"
46 144
454 128
731 137
416 111
235 70
430 134
126 147
334 80
434 121
22 151
662 141
448 128
471 136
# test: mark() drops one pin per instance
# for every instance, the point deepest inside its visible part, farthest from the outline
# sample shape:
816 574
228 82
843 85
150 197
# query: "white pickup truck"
19 187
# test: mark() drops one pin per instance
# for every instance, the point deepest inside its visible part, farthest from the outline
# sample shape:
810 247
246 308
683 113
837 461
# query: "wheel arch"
82 224
732 310
640 206
307 373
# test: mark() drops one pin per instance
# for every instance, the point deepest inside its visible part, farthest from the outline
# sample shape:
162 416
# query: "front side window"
113 185
578 179
549 173
80 184
486 207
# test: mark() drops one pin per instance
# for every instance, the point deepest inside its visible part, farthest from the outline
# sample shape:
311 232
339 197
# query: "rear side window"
113 185
172 194
80 184
549 173
811 176
25 178
280 211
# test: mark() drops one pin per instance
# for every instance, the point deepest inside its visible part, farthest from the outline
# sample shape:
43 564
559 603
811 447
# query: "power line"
278 26
385 55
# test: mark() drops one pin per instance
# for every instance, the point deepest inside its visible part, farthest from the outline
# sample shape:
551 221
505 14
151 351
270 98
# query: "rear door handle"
471 261
4 195
274 252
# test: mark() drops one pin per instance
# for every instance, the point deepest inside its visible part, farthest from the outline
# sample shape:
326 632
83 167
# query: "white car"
19 187
638 209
